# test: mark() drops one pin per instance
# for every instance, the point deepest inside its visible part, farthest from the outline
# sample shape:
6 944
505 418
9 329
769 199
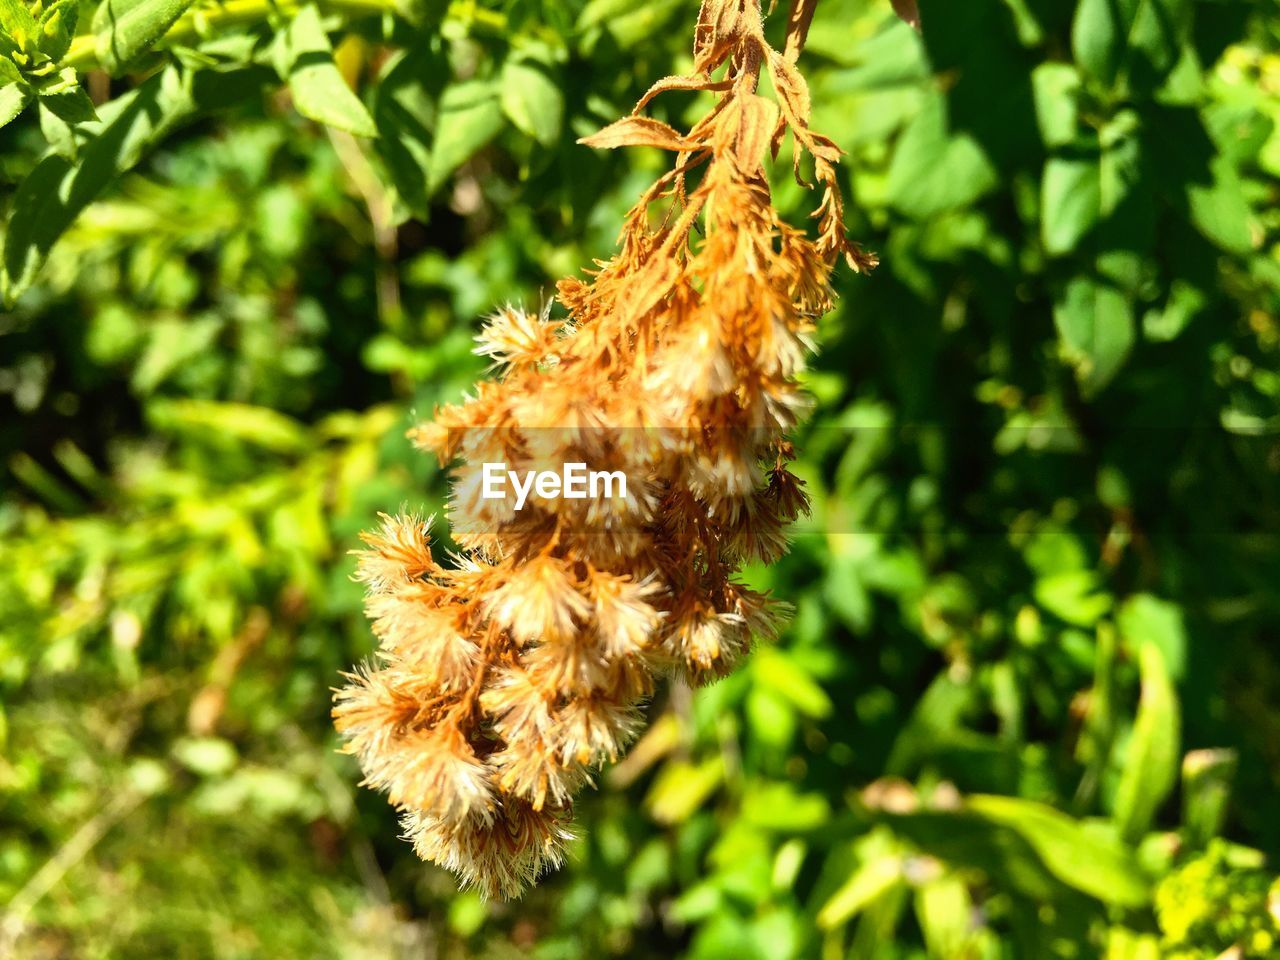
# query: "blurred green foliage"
1028 706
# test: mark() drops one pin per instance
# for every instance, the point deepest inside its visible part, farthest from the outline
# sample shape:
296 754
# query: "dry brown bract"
504 678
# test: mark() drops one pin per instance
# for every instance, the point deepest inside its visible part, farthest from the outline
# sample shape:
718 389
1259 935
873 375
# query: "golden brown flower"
505 677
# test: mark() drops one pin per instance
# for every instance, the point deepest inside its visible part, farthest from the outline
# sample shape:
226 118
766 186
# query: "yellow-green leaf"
1150 766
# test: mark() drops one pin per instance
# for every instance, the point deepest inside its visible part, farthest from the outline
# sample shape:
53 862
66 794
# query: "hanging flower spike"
504 678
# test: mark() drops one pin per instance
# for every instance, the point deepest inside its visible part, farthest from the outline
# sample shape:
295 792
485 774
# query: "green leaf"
778 806
1156 38
945 911
404 109
845 593
629 22
532 100
1071 201
1219 208
681 788
53 194
1056 89
776 671
1184 303
1095 183
1126 232
13 100
470 115
962 838
934 170
1207 777
879 870
58 133
772 719
1074 596
1136 41
126 29
57 27
1096 327
1098 33
70 106
319 91
940 711
17 23
1150 766
207 756
235 422
1077 856
1144 618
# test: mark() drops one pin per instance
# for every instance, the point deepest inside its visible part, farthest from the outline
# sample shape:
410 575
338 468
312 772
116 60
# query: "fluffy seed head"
506 675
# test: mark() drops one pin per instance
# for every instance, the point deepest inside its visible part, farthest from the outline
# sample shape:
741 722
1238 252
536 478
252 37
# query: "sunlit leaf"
879 869
1076 856
934 169
13 99
1144 618
125 29
55 192
57 27
1150 765
319 91
1096 324
469 116
532 100
1072 200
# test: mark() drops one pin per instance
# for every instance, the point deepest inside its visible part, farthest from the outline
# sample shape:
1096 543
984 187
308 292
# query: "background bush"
1027 706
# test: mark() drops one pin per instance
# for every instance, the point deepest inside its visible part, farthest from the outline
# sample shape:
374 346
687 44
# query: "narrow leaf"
879 869
319 91
1076 856
945 911
667 84
1150 766
793 92
638 132
128 28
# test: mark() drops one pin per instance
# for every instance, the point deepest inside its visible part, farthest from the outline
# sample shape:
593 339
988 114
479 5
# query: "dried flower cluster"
506 676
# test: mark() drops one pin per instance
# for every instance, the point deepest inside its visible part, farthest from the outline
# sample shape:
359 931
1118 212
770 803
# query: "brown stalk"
799 18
